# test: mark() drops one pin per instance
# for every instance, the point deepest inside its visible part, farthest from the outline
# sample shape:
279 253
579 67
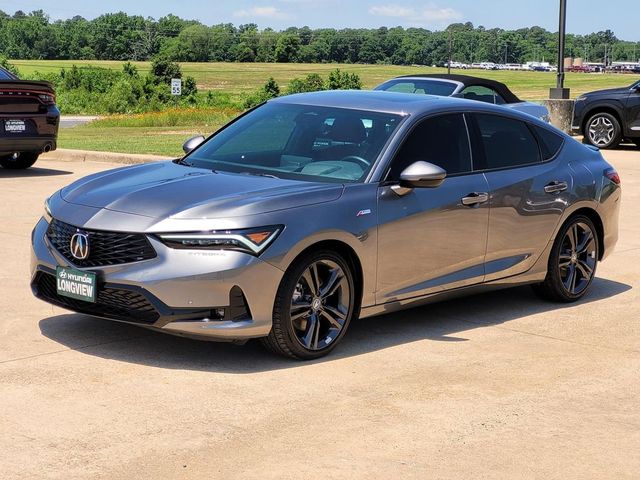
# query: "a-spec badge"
362 213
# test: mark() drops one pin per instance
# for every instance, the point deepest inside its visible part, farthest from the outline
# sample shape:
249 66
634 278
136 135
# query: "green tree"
287 48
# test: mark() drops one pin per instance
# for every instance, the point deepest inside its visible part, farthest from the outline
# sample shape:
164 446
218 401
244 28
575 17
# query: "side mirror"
422 175
192 143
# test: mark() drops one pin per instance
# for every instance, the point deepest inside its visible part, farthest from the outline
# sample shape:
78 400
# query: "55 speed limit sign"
176 86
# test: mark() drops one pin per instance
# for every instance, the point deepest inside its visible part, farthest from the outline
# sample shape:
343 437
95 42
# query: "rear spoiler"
30 85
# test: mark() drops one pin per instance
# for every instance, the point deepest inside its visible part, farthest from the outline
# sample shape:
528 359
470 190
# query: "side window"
550 142
404 87
441 140
506 142
482 94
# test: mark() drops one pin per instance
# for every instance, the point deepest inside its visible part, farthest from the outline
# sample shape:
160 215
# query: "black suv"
607 117
29 120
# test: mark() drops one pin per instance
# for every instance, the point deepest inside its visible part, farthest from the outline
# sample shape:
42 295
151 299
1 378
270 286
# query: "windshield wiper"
268 175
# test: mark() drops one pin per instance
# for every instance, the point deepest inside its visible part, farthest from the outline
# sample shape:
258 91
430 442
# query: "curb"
91 156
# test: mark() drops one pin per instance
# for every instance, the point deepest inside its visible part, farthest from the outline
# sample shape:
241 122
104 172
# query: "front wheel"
572 263
19 161
314 306
603 131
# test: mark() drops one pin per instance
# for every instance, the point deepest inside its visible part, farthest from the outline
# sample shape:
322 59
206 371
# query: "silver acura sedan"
314 209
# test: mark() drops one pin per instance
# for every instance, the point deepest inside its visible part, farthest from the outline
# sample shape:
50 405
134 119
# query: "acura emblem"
80 246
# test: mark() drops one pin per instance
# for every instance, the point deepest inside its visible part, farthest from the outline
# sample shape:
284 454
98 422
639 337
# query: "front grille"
105 248
114 303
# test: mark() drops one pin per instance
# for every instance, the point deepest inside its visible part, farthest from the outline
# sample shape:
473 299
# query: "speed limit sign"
176 86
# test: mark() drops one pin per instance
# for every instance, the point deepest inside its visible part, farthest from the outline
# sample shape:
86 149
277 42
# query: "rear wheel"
572 263
603 131
19 161
313 308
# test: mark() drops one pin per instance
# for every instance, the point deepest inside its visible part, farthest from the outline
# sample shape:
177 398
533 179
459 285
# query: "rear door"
529 191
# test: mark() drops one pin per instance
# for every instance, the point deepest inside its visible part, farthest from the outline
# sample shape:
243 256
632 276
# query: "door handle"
555 187
475 198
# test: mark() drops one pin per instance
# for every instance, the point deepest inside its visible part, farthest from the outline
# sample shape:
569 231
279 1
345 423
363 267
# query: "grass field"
244 77
161 133
165 135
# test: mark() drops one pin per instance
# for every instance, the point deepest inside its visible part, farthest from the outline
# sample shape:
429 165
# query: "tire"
572 262
308 323
19 161
603 130
637 142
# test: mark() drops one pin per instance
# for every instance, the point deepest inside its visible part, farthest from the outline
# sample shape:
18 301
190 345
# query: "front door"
633 112
432 239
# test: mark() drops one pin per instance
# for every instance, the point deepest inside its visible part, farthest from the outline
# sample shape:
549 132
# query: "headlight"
47 211
581 98
252 240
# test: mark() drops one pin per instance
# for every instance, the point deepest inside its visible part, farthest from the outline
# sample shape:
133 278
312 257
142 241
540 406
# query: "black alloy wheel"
573 261
314 306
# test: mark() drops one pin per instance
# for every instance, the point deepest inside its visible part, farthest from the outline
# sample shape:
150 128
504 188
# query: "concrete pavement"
499 386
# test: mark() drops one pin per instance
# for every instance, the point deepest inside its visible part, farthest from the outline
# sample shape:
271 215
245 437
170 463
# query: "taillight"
47 98
44 97
612 175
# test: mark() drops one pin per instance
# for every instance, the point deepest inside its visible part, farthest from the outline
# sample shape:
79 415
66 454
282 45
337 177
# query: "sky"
584 16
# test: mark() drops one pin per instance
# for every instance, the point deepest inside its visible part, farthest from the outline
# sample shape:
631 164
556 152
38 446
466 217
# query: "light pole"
450 53
560 92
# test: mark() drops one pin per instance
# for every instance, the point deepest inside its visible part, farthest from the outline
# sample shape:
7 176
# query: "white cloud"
428 14
396 11
261 12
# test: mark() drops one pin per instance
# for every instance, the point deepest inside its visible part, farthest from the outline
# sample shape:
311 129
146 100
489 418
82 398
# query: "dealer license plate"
14 126
76 284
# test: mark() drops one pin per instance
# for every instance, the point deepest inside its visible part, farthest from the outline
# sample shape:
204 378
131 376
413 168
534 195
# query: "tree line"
119 36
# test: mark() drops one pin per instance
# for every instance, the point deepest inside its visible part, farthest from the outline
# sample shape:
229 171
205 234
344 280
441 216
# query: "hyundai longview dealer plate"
76 284
14 126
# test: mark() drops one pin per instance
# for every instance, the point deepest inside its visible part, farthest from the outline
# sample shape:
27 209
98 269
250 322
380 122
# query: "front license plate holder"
76 284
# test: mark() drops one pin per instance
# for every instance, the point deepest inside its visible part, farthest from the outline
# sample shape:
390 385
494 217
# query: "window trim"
419 120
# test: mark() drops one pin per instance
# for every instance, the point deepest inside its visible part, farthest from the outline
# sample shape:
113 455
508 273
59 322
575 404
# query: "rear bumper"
40 144
40 135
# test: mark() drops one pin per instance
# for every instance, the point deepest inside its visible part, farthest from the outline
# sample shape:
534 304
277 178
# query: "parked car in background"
607 117
464 86
413 199
29 120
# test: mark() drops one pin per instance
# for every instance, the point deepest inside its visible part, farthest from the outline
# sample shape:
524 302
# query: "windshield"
299 142
424 86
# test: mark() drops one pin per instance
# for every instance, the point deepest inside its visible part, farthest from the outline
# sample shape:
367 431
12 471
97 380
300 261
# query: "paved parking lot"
501 385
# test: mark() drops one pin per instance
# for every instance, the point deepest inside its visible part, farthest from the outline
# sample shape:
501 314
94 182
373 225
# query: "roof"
468 80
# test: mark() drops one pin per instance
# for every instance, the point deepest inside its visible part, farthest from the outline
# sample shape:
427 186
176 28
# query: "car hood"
166 189
608 91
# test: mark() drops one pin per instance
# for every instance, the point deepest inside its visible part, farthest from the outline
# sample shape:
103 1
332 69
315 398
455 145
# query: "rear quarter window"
550 142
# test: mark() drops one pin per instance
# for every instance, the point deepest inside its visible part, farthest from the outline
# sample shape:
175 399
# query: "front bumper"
181 292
